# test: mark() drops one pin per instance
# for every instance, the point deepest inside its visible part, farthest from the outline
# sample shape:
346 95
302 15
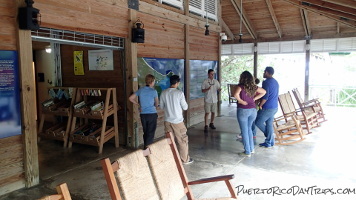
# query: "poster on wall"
101 60
78 63
10 116
198 73
162 69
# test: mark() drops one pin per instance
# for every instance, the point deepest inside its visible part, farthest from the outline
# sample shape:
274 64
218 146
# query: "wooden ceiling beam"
331 6
245 19
227 29
350 23
306 23
274 18
346 3
331 12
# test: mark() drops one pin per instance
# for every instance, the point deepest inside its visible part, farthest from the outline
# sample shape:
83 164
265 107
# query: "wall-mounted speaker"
28 18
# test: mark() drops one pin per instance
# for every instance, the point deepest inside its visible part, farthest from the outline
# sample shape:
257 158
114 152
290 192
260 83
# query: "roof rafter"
245 19
274 18
338 18
330 11
306 22
227 29
331 6
347 3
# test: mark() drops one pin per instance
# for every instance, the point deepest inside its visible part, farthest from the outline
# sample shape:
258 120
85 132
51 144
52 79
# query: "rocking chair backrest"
298 97
166 172
286 103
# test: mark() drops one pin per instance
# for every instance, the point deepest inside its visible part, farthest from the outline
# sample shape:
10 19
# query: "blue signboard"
162 69
198 73
10 116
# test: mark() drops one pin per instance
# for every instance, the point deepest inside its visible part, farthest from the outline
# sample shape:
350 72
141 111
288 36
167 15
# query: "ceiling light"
48 49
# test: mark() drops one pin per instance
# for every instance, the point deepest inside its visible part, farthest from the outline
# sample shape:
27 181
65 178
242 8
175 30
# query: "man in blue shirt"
268 107
148 113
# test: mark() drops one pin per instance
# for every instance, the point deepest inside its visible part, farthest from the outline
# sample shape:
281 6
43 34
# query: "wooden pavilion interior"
174 30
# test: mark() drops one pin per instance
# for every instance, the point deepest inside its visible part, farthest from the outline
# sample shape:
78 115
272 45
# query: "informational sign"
10 116
162 69
198 73
101 60
78 63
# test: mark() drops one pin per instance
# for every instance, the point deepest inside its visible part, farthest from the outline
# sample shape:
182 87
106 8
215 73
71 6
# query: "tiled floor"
325 160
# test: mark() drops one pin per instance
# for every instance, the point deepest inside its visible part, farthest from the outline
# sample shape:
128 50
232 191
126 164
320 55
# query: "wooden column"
307 61
187 64
255 60
219 61
132 84
28 107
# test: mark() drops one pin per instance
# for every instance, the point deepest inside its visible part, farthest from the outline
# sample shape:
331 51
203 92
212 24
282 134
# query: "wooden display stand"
100 135
60 107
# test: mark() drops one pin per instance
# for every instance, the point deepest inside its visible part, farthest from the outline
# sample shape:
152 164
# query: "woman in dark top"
246 94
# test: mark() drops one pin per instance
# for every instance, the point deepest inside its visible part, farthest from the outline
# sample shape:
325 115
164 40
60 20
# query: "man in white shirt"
173 102
210 88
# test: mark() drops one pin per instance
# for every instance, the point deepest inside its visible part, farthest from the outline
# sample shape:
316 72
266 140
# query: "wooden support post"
187 65
132 84
28 108
219 71
307 61
255 60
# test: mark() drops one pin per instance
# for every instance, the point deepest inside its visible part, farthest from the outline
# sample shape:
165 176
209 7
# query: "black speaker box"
28 18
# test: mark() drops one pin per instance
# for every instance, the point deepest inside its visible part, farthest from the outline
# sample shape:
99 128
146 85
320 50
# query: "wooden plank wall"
163 38
11 148
105 17
201 47
95 79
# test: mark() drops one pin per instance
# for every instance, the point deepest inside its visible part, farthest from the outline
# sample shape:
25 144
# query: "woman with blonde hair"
148 98
246 94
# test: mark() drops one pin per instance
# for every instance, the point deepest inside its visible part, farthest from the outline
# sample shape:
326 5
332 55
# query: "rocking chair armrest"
212 179
290 114
312 101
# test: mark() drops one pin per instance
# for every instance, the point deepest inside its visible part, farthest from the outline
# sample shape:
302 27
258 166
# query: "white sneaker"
244 154
238 137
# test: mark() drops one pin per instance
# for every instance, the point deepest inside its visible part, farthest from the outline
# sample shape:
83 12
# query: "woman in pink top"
246 94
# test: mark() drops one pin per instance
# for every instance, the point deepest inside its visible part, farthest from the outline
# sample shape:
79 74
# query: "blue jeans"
264 122
245 117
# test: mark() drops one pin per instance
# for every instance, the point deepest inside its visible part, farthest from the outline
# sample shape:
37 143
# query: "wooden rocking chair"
288 132
159 177
63 193
307 118
231 88
313 104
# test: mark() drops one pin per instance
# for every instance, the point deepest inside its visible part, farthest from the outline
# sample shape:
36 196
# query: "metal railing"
334 95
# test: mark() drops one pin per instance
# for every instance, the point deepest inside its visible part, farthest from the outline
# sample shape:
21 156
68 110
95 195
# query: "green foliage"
347 97
232 67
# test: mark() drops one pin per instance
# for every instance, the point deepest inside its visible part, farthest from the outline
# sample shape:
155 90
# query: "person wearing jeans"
246 94
268 107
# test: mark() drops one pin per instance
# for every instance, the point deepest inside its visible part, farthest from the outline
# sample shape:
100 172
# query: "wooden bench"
154 173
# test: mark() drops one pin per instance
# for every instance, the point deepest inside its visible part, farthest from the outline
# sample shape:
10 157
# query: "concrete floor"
325 161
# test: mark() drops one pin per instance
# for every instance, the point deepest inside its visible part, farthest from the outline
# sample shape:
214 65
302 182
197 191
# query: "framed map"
162 69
